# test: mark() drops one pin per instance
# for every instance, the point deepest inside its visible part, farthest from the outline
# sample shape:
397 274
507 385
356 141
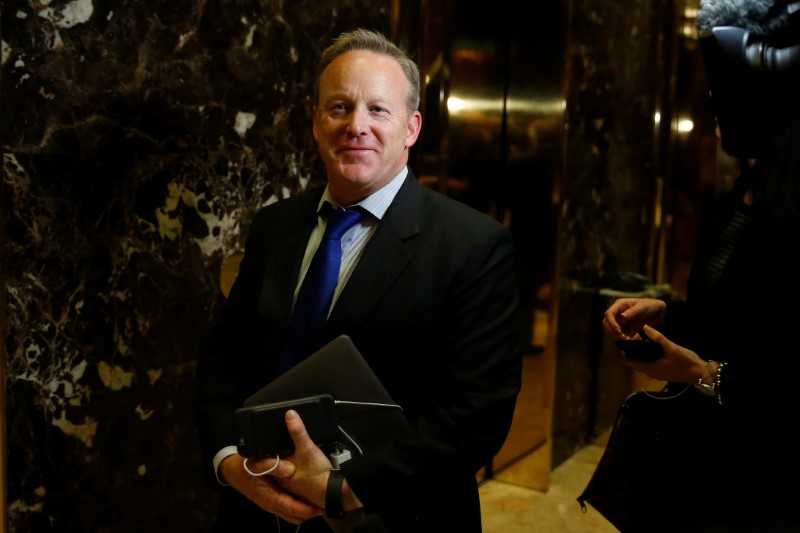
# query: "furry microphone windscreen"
760 17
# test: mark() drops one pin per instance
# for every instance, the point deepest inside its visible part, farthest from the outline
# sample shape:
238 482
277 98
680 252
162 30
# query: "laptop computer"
366 413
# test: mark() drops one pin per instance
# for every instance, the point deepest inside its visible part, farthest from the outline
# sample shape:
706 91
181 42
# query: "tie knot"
341 220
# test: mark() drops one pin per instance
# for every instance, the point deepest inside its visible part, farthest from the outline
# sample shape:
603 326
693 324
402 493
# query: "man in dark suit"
428 293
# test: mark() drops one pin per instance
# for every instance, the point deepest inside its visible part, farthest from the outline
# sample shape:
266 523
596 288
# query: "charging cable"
265 472
339 456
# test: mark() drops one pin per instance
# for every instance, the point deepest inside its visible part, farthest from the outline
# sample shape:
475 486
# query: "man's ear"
314 121
414 127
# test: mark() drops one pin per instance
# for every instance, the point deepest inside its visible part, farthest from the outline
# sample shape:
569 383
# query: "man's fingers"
271 497
275 467
298 431
294 510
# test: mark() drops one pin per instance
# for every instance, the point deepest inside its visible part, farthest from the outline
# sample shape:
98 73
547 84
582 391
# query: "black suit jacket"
432 305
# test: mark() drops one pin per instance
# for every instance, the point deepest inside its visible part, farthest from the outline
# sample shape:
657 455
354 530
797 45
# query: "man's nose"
358 123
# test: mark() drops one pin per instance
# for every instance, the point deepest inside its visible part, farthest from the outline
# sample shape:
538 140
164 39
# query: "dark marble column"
618 56
138 138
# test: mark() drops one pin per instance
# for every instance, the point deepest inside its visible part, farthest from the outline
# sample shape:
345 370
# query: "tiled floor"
511 502
512 508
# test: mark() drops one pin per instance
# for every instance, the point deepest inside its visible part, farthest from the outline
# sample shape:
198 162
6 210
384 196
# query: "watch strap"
333 495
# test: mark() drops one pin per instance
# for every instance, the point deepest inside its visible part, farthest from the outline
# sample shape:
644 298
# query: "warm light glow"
540 105
685 125
689 30
454 105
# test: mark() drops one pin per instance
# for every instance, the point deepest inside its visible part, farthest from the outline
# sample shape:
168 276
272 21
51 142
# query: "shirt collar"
376 203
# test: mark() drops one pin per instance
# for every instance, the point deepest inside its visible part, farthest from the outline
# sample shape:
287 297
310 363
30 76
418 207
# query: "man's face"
362 125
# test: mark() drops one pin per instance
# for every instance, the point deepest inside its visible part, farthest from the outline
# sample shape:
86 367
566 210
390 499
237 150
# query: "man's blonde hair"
373 41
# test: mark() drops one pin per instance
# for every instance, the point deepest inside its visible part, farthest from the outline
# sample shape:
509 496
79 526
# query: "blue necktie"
313 304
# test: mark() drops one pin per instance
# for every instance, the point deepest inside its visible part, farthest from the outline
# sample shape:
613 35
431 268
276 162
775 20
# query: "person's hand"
626 317
264 490
312 466
678 364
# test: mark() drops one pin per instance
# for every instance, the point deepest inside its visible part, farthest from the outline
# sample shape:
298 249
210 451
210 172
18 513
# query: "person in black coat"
733 336
427 292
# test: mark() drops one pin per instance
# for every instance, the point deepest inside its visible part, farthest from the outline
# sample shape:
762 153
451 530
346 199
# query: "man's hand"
264 491
295 489
310 478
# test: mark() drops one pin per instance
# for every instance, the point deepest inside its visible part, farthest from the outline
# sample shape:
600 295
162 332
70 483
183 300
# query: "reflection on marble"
138 139
617 61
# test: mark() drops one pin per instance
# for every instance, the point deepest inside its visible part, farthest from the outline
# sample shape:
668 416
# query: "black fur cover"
760 17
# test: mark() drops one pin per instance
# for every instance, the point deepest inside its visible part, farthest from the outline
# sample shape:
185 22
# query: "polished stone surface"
613 152
511 506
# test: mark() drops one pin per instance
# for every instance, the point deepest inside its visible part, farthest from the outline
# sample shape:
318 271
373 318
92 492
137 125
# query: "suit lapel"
282 269
384 258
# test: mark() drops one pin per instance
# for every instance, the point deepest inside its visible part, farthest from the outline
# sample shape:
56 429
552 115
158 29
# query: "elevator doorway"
493 104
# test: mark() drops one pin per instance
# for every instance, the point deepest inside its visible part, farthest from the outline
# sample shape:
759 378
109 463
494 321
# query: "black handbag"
653 458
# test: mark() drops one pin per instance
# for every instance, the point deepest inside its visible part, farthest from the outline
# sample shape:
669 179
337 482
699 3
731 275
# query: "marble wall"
137 140
610 176
630 75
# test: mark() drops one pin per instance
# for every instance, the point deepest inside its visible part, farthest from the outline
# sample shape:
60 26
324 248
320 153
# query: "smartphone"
641 350
262 428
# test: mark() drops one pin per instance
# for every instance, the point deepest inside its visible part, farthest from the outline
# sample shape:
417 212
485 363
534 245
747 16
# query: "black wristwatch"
333 495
